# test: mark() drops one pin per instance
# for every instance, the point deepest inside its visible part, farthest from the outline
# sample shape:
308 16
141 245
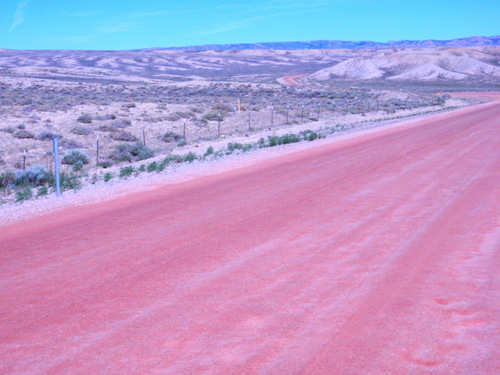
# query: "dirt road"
375 255
291 80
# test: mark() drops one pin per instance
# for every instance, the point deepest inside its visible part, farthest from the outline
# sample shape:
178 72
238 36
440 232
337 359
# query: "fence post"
55 144
97 151
218 126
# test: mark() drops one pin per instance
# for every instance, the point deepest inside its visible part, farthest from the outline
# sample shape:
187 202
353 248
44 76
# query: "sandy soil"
375 254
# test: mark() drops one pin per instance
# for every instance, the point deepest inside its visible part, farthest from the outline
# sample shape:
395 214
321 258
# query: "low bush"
7 179
47 135
190 157
282 140
36 175
124 137
129 152
212 116
23 134
42 191
210 151
68 181
152 167
107 176
24 195
121 123
75 155
85 118
77 166
170 137
126 171
81 130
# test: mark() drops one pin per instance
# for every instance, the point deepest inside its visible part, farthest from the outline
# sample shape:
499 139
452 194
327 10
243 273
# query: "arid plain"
373 252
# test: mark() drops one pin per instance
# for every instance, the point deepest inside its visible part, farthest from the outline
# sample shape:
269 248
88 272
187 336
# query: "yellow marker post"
239 106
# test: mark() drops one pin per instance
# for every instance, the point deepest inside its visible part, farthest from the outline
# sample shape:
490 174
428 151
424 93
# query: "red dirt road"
290 80
376 255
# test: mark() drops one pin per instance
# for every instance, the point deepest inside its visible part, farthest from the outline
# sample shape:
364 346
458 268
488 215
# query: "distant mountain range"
475 41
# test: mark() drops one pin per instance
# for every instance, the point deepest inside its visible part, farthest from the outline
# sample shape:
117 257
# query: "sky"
132 24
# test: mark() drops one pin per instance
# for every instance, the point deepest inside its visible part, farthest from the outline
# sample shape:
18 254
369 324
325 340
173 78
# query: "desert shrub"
107 176
7 179
184 114
234 146
126 171
85 118
129 152
142 168
47 135
121 123
152 167
24 195
190 157
182 143
81 130
210 151
212 116
106 163
23 134
129 105
172 117
107 128
221 107
309 135
69 181
170 137
110 116
124 137
77 166
36 175
282 140
8 129
73 156
42 191
71 143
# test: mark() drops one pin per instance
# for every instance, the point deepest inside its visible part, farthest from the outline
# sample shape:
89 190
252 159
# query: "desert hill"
466 65
475 41
419 64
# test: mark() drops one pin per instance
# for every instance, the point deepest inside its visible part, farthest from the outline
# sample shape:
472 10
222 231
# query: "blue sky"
132 24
